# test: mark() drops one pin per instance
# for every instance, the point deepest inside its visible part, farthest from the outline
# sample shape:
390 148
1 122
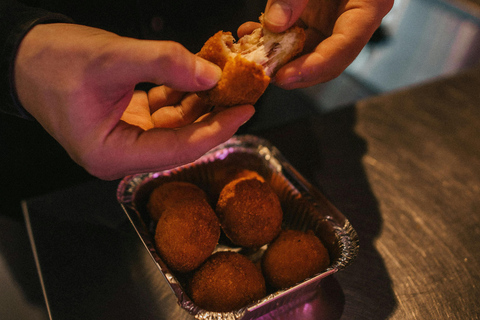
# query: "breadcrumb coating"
249 64
227 281
187 234
242 82
170 194
293 257
249 212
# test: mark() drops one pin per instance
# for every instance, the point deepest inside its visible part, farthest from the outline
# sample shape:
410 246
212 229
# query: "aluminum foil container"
304 208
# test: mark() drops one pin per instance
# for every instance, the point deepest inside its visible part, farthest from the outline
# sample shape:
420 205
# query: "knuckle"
172 54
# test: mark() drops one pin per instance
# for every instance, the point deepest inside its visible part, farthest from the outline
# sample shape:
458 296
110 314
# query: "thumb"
167 63
282 14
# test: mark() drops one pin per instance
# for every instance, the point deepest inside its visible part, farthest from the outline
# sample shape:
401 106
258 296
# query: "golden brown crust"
170 194
248 64
242 82
293 257
248 174
186 235
229 170
227 281
216 48
250 212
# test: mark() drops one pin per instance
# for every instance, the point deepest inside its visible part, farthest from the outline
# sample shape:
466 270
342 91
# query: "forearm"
16 20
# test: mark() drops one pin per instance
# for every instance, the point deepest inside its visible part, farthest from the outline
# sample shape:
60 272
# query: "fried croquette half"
186 235
233 89
170 194
227 281
248 64
293 257
250 212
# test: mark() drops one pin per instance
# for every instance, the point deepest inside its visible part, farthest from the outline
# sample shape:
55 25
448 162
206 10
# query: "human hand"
336 32
77 82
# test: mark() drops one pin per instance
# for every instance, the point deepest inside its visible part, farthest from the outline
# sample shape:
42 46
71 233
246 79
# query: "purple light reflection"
326 304
222 154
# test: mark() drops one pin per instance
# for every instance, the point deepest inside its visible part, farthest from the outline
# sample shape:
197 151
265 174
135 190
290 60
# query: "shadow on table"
31 163
328 152
324 148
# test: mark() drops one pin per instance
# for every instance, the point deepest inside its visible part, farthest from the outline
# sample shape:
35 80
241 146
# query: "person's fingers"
282 14
351 32
128 149
162 96
247 28
171 108
161 62
180 114
326 63
138 111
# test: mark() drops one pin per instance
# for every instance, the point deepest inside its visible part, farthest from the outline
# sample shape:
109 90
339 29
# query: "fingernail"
207 74
288 80
278 14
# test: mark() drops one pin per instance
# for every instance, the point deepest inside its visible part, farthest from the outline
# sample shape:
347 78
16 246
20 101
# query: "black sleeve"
16 20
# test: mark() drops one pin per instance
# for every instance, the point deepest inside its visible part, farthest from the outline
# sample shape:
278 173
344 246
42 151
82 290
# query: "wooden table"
403 167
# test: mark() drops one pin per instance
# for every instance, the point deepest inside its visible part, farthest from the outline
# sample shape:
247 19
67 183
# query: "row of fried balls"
249 213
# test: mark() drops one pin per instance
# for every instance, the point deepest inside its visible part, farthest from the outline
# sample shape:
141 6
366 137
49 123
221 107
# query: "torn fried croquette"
227 281
172 193
250 212
248 64
232 89
293 257
186 235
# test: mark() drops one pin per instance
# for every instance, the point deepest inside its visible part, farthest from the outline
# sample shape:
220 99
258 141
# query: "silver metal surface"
304 208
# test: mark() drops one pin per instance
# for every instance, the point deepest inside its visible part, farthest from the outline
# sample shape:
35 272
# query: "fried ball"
249 64
227 281
186 235
248 174
293 257
250 212
229 173
172 193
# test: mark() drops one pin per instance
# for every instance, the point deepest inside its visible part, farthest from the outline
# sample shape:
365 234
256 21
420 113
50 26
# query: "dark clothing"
15 21
189 22
31 161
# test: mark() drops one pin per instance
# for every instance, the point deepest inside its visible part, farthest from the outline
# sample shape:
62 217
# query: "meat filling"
270 50
248 64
